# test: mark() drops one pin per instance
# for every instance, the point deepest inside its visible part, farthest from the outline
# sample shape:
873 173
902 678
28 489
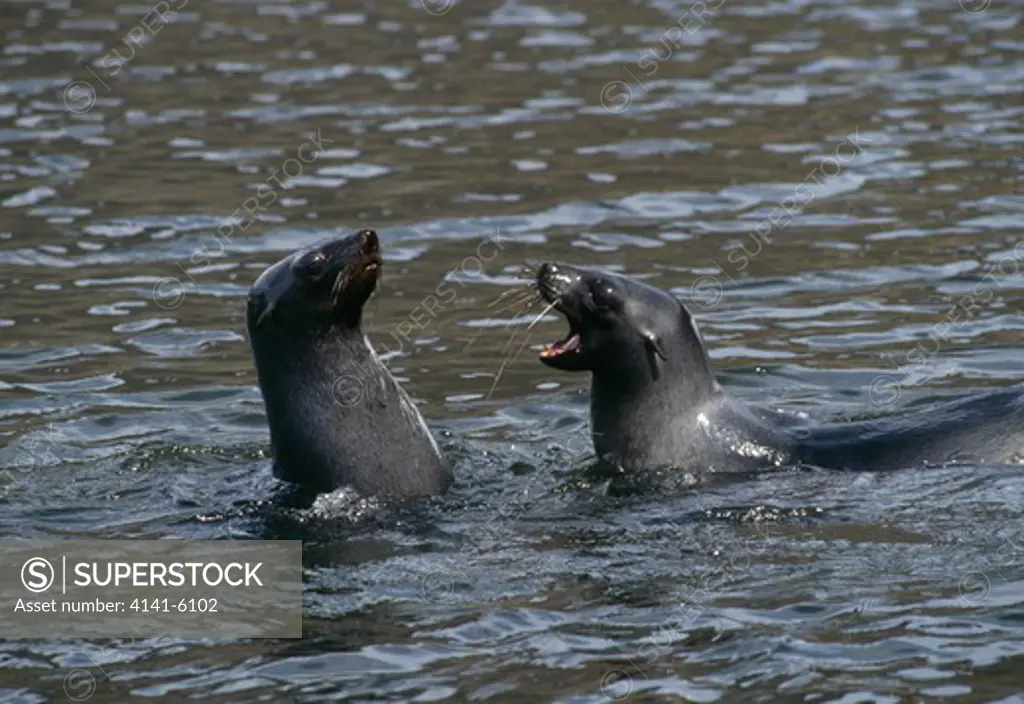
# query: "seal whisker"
530 327
533 297
510 292
540 316
523 345
527 303
511 358
509 305
505 355
514 292
515 333
340 281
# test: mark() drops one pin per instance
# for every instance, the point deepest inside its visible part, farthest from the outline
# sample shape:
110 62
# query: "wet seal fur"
655 402
337 417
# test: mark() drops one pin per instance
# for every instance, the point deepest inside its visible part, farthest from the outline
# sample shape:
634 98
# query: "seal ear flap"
264 314
654 348
268 308
654 344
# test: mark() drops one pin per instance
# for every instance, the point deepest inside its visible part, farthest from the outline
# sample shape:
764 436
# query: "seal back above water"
655 401
337 417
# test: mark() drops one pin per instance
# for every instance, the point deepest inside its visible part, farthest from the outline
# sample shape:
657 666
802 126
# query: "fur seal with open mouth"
337 417
655 402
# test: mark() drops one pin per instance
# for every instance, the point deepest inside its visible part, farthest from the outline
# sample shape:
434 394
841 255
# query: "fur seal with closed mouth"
337 417
655 402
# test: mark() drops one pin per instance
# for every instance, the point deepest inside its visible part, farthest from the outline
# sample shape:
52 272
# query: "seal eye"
603 295
311 265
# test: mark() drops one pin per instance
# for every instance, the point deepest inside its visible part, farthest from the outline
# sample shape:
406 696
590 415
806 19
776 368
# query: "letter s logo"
37 574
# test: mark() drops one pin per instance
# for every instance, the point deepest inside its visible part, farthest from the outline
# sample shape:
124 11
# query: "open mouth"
569 347
372 266
566 348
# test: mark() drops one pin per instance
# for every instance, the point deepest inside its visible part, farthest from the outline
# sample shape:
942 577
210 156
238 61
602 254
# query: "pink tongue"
560 348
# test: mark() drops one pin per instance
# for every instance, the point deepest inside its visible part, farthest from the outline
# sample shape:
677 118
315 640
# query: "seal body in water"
337 417
655 402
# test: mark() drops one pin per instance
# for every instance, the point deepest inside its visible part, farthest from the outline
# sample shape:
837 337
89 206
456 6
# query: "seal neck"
644 411
674 369
303 379
679 385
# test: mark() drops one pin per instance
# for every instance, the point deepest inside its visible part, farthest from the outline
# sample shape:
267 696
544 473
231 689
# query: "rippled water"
875 146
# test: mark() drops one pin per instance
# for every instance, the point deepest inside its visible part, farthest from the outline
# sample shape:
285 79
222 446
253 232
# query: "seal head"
622 329
316 288
337 417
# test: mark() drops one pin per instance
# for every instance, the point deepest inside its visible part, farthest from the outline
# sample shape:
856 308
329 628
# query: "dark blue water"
835 188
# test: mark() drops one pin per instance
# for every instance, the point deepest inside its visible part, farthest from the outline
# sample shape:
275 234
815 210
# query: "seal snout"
369 245
358 261
553 280
556 284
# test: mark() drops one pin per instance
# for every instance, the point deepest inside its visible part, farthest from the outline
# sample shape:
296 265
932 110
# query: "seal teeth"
569 345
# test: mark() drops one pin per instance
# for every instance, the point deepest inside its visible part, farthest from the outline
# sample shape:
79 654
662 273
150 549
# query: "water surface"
833 187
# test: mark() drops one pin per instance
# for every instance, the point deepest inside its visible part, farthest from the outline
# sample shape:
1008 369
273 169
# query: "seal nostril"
546 270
